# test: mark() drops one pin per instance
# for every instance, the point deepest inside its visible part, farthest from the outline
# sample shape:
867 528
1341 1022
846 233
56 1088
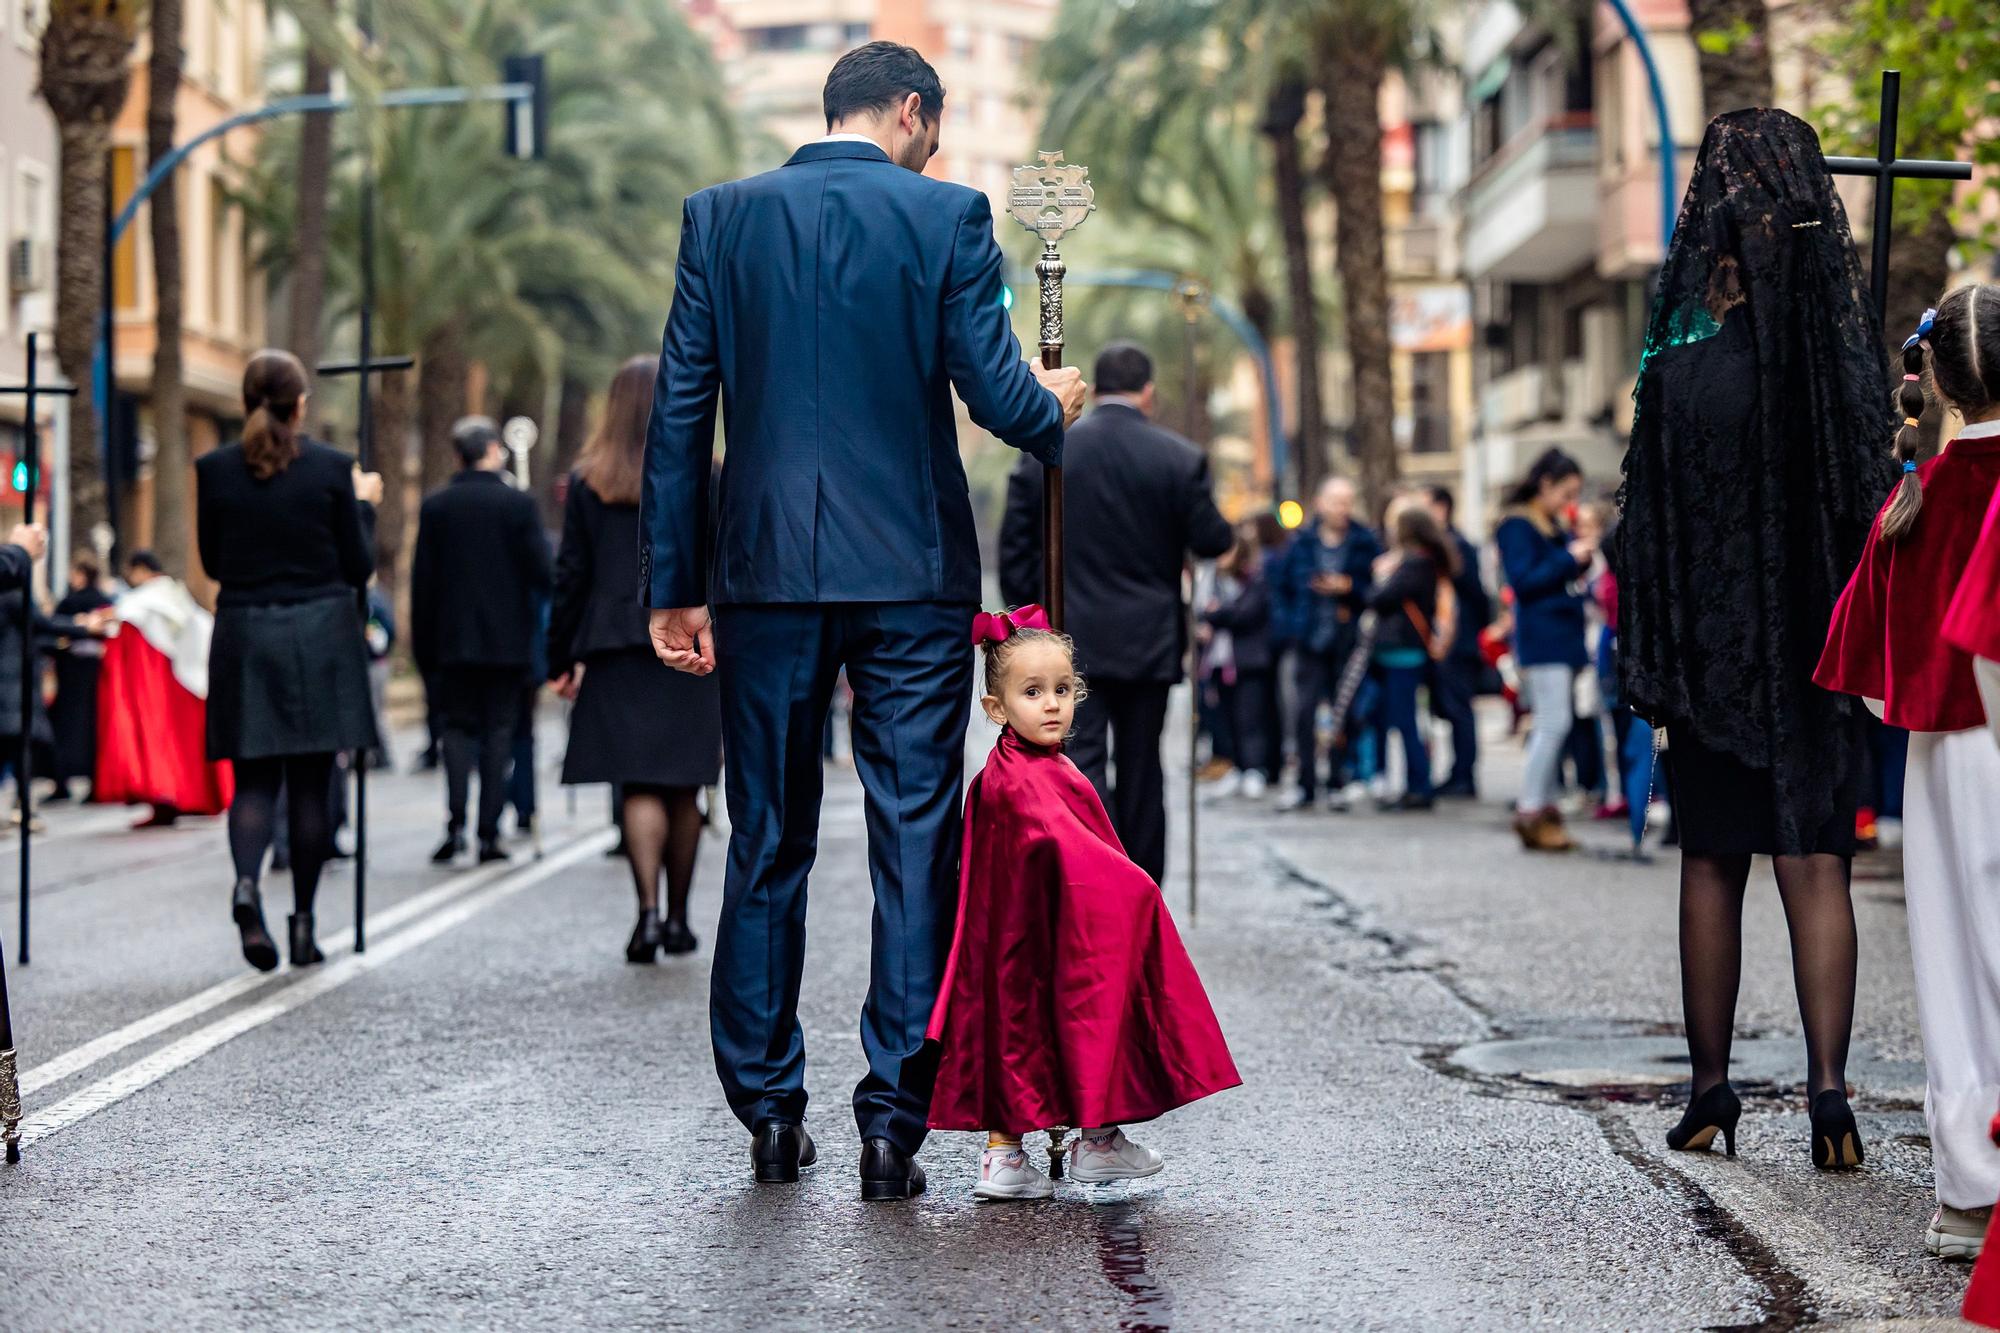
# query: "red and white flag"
152 705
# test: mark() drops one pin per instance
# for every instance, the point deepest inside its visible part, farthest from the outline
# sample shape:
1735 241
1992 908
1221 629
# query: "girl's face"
1038 696
1557 496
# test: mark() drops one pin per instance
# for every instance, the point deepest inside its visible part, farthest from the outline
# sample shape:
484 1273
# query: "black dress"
288 666
636 720
1759 458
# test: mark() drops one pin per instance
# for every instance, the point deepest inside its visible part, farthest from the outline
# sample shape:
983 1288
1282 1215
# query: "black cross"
1885 168
364 369
31 466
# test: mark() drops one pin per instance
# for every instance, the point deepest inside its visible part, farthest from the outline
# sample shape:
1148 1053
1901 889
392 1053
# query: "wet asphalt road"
494 1122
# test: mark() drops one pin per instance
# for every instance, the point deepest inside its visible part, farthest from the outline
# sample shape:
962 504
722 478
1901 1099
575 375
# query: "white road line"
152 1025
472 899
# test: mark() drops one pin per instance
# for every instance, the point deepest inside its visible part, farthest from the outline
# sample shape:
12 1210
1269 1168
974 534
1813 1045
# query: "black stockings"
253 815
662 831
1820 916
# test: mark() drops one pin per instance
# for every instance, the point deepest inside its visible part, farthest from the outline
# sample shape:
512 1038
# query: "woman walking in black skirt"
654 731
283 528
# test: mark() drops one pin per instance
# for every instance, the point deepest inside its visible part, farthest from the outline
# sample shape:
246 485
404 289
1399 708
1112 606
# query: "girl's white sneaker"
1113 1157
1006 1173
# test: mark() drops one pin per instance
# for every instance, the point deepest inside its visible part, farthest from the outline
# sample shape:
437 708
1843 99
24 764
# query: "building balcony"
1531 209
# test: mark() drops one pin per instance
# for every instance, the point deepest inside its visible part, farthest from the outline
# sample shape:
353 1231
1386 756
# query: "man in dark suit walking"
481 566
1136 503
834 304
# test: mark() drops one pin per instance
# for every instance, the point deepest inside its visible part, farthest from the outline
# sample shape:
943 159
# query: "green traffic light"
1006 297
21 475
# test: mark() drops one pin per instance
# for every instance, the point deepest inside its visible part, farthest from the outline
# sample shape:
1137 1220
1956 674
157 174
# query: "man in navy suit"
835 303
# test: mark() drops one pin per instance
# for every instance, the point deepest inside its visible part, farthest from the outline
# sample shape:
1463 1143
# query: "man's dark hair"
878 76
1441 497
145 560
1123 368
471 437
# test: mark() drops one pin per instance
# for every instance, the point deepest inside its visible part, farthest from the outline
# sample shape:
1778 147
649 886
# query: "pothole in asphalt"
1638 1066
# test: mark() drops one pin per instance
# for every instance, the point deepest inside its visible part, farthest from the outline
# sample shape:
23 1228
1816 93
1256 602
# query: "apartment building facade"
28 164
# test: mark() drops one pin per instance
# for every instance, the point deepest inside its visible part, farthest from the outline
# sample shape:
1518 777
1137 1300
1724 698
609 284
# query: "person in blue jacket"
1324 587
1543 563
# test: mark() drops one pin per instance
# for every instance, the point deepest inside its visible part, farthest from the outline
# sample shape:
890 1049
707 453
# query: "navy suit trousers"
910 667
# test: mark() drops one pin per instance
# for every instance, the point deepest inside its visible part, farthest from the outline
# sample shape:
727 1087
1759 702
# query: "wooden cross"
1885 169
364 369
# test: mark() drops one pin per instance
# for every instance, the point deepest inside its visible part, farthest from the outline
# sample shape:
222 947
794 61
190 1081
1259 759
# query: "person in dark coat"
1454 682
283 528
654 732
1324 586
79 662
1416 625
1235 633
480 565
47 630
1136 503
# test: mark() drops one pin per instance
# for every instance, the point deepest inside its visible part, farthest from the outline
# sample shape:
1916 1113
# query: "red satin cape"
1973 622
152 743
1887 638
1068 998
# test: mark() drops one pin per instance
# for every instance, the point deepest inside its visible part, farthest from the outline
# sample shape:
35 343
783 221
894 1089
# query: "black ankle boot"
645 941
1715 1111
1836 1139
246 908
305 950
675 937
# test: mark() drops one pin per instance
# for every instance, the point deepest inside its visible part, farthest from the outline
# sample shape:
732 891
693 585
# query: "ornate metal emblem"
1051 197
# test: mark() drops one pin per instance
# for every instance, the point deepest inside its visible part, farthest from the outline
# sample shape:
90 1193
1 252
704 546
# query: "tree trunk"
308 285
1281 123
171 466
84 78
1734 42
1353 69
390 455
441 370
80 277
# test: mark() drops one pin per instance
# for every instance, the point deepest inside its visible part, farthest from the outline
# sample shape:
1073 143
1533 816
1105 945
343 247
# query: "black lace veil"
1759 457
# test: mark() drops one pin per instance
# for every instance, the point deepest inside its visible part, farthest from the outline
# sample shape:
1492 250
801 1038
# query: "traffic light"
1006 297
20 476
1291 513
527 121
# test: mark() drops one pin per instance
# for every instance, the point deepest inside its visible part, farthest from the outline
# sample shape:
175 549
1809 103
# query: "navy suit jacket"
834 303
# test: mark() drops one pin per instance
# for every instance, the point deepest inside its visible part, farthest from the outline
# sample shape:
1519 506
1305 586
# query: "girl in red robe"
1068 999
1972 624
1887 643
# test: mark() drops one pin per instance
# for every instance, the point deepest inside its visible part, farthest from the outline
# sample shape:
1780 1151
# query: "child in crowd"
1418 619
1068 999
1887 643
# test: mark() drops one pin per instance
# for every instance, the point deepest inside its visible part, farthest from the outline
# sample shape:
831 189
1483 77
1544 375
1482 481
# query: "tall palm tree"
171 464
1121 70
85 74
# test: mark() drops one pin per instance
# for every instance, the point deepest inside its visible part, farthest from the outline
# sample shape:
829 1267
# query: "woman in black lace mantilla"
1756 466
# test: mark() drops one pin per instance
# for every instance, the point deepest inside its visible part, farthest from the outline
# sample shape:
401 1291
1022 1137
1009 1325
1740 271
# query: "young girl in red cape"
1887 644
1068 998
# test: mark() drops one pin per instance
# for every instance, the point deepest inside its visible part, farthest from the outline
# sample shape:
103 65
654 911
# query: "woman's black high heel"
246 908
675 937
645 941
1714 1112
305 949
1836 1139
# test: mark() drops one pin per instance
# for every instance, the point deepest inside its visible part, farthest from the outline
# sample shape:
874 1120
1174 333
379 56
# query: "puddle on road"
1121 1253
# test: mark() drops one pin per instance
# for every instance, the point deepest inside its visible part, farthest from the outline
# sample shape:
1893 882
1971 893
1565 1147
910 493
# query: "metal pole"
1669 184
24 771
107 365
1049 270
364 439
1190 293
1885 191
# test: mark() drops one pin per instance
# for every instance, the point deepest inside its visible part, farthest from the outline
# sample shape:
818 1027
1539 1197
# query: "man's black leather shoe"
779 1150
887 1172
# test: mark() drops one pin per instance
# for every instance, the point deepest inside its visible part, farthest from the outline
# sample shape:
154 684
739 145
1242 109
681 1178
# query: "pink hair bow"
996 626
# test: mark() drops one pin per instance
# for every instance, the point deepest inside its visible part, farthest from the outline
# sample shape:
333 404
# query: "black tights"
253 818
1820 916
662 828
